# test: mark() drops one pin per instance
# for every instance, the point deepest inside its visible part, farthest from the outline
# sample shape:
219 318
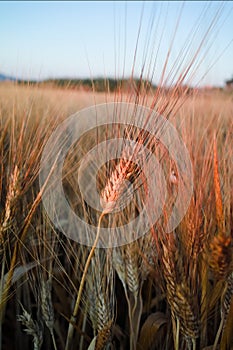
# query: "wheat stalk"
81 286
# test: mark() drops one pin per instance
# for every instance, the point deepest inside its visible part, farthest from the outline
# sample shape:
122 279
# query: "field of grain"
162 291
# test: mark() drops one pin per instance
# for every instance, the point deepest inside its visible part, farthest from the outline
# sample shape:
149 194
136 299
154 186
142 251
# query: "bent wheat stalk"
82 282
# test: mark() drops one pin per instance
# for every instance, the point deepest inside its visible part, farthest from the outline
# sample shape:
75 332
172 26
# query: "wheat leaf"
149 330
92 344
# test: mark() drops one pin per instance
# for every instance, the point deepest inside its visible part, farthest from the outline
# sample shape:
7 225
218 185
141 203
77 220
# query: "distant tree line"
97 84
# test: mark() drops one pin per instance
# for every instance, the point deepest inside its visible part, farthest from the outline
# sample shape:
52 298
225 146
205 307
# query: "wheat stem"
83 329
177 333
194 343
76 307
218 334
53 339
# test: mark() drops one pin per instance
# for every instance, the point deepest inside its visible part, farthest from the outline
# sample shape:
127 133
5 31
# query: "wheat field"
161 289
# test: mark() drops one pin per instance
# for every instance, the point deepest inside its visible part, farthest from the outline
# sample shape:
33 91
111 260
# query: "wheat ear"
100 296
31 328
47 307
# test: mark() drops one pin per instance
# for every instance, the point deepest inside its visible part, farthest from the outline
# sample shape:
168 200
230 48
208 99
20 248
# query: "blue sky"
81 39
